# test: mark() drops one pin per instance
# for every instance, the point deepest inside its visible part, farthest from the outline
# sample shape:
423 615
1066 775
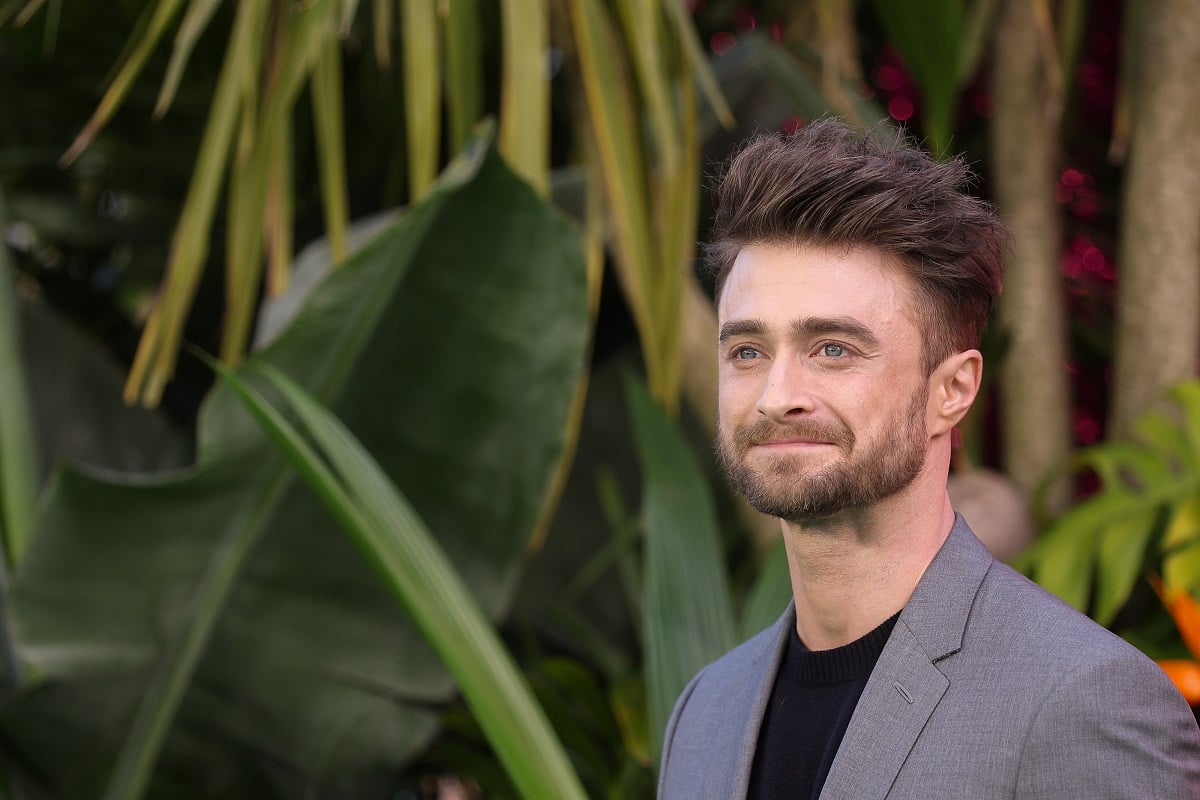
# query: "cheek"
735 395
725 402
871 411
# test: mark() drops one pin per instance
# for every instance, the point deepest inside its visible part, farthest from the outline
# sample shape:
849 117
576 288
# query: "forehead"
782 282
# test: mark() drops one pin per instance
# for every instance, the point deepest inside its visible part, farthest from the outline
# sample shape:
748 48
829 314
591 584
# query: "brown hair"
829 185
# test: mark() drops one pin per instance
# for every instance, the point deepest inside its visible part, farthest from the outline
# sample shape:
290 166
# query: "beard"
864 475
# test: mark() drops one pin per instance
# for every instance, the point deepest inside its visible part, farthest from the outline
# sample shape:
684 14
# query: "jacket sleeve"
664 788
1112 728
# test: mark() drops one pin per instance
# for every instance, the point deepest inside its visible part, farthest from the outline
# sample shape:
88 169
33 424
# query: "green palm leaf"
401 548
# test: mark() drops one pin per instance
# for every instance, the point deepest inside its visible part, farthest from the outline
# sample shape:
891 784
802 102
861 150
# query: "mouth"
791 443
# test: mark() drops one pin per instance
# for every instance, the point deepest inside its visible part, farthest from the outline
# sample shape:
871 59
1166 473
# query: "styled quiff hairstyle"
829 185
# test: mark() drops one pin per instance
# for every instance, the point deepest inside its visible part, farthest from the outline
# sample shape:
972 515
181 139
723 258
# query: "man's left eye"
833 350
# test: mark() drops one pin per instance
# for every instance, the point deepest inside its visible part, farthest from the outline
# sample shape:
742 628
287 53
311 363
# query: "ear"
952 390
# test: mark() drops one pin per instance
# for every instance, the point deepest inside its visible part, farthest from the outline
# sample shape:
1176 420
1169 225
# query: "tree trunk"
1158 306
1025 132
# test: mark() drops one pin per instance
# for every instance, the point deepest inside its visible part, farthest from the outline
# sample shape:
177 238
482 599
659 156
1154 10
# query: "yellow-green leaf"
382 25
159 345
1122 552
1181 547
616 134
686 32
331 144
305 30
464 70
525 90
18 482
198 15
421 79
164 13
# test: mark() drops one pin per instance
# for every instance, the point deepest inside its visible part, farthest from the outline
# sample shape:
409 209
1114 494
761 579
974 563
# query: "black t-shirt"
811 704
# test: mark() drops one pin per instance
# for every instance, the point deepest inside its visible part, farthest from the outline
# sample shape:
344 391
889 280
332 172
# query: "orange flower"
1186 677
1184 609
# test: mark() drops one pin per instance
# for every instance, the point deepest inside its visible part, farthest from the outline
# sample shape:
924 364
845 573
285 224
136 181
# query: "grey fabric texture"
989 687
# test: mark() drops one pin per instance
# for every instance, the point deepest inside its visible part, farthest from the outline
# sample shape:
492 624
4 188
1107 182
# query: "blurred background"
450 525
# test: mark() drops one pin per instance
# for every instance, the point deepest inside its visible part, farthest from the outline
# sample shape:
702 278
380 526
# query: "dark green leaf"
688 612
451 346
929 36
397 543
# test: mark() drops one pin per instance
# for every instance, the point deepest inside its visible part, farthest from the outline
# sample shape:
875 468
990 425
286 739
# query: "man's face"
823 398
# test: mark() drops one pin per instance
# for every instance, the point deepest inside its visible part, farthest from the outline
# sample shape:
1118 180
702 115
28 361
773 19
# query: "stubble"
865 473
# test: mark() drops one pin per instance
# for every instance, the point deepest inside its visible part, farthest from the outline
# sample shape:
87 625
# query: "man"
853 280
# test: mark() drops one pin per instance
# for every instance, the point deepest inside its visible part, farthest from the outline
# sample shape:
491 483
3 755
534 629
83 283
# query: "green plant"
1145 515
276 49
18 492
208 631
357 493
942 42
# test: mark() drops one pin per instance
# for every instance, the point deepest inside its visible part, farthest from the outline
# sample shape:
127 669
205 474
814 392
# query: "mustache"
765 430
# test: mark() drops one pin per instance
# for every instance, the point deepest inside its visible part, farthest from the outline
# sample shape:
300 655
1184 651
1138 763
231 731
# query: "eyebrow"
844 326
803 327
742 327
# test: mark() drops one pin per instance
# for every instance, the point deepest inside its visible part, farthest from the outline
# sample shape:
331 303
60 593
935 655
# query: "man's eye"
745 353
833 350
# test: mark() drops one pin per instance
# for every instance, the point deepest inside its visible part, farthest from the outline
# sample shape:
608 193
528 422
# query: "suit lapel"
901 694
756 695
906 685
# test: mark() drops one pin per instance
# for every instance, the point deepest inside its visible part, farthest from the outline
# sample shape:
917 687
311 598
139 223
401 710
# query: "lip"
781 443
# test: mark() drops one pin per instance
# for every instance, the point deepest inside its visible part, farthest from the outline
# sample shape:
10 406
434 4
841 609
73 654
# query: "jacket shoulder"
716 719
1063 706
1026 616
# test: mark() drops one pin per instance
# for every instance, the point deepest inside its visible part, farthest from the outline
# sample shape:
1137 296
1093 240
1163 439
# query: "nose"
786 394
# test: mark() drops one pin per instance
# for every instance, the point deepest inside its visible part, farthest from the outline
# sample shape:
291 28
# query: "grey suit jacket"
988 687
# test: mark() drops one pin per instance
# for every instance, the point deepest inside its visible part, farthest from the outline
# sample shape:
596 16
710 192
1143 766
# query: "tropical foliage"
187 620
174 617
1145 512
1140 530
384 525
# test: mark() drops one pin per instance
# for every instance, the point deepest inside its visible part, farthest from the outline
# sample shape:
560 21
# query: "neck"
851 572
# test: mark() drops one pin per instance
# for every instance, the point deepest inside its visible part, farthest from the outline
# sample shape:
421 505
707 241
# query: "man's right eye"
745 353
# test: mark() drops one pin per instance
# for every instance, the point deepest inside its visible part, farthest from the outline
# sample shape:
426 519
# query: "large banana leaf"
396 542
77 415
218 616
